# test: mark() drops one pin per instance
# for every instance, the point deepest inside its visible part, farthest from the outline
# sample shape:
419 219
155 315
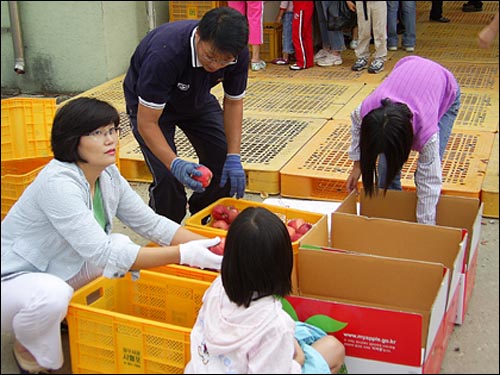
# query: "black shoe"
472 7
442 19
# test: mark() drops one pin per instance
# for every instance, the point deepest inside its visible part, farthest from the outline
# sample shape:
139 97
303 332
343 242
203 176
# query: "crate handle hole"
207 219
94 296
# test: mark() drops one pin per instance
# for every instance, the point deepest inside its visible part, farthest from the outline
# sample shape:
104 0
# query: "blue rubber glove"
184 172
234 171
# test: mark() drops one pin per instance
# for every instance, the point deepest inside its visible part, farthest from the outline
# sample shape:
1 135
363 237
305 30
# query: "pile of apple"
223 216
297 228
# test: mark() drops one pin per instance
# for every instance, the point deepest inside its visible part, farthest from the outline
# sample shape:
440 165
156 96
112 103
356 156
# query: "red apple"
296 236
296 223
221 224
231 214
220 212
304 228
219 248
291 230
206 176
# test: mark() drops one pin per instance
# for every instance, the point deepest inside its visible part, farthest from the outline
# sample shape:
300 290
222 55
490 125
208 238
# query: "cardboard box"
452 211
359 235
389 313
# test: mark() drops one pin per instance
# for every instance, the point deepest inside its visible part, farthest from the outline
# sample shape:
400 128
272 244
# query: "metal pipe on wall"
151 15
17 38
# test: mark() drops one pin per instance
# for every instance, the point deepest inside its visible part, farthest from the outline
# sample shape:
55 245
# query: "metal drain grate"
295 98
267 145
323 165
478 111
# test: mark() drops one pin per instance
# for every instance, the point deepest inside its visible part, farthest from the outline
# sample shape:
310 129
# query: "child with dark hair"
414 108
242 327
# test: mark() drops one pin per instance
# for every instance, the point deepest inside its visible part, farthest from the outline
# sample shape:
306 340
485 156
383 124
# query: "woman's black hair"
226 29
385 130
76 118
258 257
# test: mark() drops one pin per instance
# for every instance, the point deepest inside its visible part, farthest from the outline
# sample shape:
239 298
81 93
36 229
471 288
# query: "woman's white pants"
33 306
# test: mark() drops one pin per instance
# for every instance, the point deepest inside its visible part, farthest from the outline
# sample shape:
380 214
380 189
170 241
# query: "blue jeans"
445 125
329 39
286 20
408 18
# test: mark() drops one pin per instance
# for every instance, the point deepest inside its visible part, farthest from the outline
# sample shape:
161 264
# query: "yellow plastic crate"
191 10
489 189
203 219
120 326
26 126
322 167
16 176
318 234
185 271
271 47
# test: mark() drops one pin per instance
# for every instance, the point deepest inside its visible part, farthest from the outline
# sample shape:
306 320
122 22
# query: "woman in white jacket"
57 236
241 327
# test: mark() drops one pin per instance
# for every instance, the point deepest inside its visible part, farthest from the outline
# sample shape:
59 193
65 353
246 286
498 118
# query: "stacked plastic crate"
26 125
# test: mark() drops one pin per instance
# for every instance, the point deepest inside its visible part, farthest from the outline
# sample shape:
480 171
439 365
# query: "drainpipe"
17 38
151 15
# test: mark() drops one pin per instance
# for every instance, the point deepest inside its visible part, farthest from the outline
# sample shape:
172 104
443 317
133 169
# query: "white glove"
196 254
120 239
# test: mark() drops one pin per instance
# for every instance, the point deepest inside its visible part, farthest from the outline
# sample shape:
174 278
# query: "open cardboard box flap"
401 239
397 285
451 211
393 238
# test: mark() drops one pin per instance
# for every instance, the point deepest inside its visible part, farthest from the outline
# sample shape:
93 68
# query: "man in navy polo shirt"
168 84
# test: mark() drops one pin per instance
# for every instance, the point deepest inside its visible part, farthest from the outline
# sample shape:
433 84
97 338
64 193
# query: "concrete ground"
473 347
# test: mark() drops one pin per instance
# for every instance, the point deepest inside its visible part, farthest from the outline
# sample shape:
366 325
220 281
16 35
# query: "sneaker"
258 65
280 61
392 48
295 67
353 44
409 49
376 66
360 64
321 54
330 60
468 7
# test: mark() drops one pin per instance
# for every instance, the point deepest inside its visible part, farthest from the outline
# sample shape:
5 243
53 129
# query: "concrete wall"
73 46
